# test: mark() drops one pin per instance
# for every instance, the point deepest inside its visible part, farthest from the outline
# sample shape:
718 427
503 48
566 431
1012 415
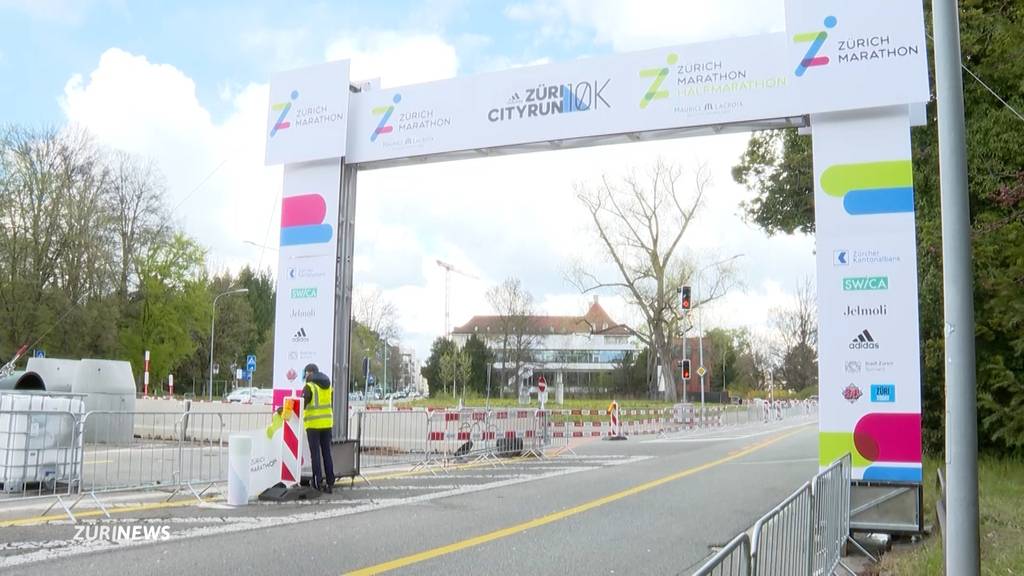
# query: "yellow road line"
543 520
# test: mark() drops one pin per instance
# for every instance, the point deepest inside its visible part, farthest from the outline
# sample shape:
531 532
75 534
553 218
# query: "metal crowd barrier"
732 560
804 534
782 537
831 515
72 456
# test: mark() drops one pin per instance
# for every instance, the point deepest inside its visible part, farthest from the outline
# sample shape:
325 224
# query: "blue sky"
185 85
220 44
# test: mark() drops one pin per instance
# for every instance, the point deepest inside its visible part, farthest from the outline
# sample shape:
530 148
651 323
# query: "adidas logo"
863 341
300 336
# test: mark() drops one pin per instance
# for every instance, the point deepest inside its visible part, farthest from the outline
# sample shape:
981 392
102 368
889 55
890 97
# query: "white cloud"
151 109
644 24
396 58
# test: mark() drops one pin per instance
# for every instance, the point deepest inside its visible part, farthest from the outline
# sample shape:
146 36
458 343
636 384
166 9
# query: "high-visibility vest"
319 415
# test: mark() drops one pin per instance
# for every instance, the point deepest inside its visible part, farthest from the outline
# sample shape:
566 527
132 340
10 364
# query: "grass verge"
1001 503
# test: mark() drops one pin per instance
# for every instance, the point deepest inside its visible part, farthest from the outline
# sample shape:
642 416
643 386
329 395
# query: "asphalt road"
633 507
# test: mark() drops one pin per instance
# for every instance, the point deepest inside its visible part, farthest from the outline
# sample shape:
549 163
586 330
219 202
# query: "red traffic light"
684 297
686 369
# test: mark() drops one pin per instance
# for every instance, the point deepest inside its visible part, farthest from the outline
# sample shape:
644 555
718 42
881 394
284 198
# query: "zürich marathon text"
312 115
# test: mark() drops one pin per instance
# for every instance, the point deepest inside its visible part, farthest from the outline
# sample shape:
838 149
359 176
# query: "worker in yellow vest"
318 418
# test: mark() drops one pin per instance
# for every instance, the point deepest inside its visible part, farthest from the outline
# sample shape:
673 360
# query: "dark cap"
311 368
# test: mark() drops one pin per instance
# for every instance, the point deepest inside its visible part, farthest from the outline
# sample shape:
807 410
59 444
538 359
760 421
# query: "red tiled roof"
595 321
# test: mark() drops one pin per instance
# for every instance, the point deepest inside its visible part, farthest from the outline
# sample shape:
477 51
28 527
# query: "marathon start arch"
853 75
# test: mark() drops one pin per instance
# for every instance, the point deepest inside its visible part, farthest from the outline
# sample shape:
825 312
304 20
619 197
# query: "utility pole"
962 539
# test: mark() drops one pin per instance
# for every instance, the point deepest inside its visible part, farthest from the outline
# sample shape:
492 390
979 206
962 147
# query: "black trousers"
320 444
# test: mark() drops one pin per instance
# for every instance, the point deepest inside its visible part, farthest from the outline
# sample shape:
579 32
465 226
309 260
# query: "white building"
578 352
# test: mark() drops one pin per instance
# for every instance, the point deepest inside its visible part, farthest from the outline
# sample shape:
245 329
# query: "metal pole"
340 369
961 550
700 342
384 377
213 321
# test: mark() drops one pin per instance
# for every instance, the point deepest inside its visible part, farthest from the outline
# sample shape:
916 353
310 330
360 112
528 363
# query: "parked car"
251 395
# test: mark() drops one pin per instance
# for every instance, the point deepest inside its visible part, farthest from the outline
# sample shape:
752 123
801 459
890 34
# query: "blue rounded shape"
397 98
830 22
295 94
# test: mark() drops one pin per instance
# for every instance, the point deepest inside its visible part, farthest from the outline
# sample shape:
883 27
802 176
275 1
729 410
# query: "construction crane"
448 269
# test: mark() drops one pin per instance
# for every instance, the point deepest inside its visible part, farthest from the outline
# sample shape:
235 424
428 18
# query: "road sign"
542 384
247 376
250 362
238 373
701 371
216 368
39 353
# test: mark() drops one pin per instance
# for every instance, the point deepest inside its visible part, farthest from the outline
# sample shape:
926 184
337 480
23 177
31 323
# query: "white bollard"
239 454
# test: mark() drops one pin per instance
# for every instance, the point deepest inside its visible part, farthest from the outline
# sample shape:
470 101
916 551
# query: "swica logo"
300 336
863 341
385 113
284 108
865 283
657 75
303 293
817 40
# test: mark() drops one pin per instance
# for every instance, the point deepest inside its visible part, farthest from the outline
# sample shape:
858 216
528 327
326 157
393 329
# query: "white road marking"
242 524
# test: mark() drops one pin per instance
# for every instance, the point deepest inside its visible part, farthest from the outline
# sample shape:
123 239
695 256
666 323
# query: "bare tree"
517 334
375 312
52 223
797 330
640 224
137 191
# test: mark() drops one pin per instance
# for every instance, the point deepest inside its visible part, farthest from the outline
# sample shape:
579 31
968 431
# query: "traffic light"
684 297
686 369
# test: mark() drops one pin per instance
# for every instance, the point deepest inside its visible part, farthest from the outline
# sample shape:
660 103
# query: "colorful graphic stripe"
302 220
284 108
872 187
817 40
385 113
886 445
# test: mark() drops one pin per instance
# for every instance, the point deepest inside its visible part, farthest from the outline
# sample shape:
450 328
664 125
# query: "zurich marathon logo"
385 113
657 76
283 108
817 40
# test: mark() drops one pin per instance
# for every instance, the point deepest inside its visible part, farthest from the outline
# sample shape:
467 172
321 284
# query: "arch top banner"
835 55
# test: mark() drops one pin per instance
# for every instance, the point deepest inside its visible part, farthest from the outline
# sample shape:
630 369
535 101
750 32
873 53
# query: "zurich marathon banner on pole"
834 56
869 346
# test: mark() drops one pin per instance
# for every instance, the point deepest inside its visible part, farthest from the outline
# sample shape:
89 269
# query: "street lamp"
213 320
700 330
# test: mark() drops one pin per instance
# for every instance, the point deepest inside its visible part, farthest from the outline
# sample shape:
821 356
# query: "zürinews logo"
283 108
817 39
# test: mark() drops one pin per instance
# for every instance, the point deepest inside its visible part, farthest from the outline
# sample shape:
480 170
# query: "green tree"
776 168
171 307
431 370
479 359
